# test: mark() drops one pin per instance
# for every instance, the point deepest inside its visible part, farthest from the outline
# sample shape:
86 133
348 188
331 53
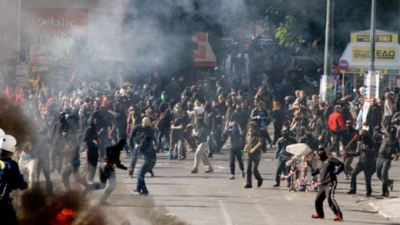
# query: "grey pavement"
179 197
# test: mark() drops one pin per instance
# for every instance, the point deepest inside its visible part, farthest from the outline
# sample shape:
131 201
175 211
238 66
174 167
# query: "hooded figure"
91 141
60 131
366 151
388 151
328 170
107 171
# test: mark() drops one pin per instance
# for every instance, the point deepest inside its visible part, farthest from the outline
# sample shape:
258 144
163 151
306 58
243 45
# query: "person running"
107 171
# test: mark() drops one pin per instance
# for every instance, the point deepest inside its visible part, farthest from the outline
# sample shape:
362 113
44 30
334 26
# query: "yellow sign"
386 38
356 70
382 54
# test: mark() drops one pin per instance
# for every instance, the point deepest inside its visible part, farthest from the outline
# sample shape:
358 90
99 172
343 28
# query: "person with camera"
236 145
261 118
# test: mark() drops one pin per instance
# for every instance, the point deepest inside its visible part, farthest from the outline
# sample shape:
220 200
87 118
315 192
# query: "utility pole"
372 38
330 5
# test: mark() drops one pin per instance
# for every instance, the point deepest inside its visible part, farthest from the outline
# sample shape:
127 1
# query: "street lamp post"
372 37
330 5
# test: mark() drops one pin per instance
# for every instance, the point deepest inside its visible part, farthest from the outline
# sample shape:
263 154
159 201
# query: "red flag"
7 91
104 101
15 94
39 82
72 76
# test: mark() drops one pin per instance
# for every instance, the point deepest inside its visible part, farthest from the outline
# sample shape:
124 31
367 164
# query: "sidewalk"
388 208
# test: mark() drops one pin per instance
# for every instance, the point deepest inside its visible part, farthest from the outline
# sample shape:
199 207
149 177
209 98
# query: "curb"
384 214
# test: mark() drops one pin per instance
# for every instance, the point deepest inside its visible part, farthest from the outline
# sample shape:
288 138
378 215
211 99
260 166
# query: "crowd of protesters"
146 117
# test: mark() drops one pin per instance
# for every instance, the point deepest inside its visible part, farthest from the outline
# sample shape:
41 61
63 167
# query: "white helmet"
8 143
2 132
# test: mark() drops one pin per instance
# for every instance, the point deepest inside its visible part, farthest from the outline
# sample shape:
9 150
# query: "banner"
382 54
327 88
61 21
371 90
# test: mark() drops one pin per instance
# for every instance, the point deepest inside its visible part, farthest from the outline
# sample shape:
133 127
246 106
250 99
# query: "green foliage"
290 33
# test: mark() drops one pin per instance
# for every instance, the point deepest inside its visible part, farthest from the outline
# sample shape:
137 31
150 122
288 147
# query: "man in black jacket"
349 138
210 120
146 148
91 142
330 168
374 116
389 150
309 140
60 130
283 156
367 152
72 164
107 171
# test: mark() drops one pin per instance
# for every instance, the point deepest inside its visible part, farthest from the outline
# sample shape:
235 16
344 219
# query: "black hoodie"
113 153
146 146
90 134
60 126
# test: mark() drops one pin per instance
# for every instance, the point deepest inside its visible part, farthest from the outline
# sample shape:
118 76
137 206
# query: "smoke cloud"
155 215
14 122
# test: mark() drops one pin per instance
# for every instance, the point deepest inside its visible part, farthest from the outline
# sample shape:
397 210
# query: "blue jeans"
178 150
382 172
121 134
146 167
211 144
282 168
368 171
134 158
161 134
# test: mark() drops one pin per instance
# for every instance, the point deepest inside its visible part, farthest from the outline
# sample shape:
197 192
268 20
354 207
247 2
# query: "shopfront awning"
387 60
204 56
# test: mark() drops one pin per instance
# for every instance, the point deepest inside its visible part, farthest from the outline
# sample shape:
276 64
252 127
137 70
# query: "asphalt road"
179 197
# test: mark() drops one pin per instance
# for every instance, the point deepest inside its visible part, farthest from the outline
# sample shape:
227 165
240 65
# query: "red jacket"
336 122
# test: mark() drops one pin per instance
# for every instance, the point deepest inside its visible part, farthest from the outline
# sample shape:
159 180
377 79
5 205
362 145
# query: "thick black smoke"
38 208
14 122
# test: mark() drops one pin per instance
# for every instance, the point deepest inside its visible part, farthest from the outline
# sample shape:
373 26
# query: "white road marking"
287 196
225 213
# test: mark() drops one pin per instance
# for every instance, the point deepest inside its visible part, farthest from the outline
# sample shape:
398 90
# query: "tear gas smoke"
14 122
155 215
65 209
68 208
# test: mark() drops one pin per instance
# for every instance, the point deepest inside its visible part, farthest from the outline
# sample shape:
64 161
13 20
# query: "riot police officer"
10 179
